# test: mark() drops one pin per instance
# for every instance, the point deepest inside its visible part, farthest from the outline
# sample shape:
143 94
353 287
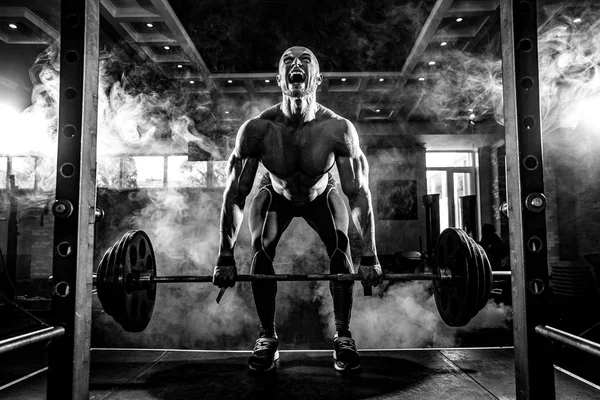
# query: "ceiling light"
179 66
192 82
12 26
229 81
377 110
343 79
431 62
267 81
459 19
577 20
149 25
421 79
166 48
381 79
226 112
443 43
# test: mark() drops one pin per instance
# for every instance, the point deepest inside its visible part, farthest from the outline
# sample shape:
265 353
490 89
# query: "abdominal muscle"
299 188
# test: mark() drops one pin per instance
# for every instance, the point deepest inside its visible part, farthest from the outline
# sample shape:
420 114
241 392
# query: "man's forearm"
232 216
361 209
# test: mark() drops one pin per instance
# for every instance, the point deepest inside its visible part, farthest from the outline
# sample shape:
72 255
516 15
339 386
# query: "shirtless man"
298 141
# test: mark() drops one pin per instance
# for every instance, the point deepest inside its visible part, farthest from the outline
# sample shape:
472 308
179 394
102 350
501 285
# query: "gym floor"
462 374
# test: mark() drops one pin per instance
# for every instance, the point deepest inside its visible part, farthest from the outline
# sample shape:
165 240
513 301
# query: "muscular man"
298 141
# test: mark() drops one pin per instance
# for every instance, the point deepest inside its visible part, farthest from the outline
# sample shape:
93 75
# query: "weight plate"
101 284
117 278
455 297
137 257
475 277
488 278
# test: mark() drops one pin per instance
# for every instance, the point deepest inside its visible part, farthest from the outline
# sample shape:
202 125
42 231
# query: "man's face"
298 72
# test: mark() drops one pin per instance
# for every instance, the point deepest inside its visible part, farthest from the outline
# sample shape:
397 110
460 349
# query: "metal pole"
301 277
566 338
26 339
525 187
74 209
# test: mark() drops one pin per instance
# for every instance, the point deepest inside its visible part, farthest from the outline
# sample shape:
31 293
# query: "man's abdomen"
299 189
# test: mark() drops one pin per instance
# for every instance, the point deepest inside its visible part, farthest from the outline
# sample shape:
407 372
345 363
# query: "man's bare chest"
285 151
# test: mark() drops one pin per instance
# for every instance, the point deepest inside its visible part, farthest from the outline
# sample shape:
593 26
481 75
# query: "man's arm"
353 169
242 166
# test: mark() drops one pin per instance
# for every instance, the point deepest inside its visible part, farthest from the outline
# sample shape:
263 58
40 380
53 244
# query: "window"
452 176
3 172
23 168
174 171
184 173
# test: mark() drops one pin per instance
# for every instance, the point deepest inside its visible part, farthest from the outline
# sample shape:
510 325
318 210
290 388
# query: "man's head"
299 73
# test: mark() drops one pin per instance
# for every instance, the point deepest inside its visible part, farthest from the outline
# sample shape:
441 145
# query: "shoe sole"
275 358
342 366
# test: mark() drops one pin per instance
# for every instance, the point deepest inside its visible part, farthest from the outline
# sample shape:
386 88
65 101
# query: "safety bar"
26 339
587 346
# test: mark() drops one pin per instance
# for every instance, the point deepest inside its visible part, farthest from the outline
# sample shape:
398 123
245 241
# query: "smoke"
404 315
467 85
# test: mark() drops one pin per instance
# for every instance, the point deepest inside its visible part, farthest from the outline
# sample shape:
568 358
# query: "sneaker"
345 354
264 355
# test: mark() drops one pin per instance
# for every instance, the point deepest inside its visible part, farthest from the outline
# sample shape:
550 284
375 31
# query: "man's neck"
302 109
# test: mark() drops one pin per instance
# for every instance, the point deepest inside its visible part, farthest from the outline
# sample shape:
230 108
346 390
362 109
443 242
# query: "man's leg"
328 216
267 223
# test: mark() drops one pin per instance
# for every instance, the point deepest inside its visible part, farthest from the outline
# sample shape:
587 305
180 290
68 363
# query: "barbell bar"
146 279
126 279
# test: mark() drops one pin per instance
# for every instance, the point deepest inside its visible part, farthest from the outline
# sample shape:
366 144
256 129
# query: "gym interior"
478 121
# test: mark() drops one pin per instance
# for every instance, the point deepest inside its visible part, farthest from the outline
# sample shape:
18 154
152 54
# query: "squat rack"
69 352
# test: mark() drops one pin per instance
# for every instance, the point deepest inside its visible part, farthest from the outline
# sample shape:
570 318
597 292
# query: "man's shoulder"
340 124
260 122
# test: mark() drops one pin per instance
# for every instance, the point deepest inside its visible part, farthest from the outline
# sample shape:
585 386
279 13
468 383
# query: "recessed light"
179 66
267 81
381 79
421 79
12 26
192 82
149 25
431 62
229 81
377 110
166 48
459 19
577 20
443 43
343 79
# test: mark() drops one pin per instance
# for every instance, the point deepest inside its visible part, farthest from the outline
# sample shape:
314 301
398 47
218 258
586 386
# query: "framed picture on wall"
397 200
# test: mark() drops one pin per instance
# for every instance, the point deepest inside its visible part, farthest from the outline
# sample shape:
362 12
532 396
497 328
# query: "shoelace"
346 344
262 345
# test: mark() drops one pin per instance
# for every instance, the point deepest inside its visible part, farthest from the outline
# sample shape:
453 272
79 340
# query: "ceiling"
378 57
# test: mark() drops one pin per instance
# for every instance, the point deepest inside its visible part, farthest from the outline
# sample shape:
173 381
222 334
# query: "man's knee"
340 262
261 263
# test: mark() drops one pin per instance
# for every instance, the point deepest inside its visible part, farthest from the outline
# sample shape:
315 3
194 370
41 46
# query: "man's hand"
370 271
224 275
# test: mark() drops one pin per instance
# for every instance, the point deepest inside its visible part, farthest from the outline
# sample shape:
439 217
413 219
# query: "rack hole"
67 170
71 56
527 83
63 249
525 45
70 93
62 289
529 122
530 162
69 131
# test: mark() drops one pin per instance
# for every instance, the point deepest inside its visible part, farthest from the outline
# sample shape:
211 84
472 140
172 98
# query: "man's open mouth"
296 77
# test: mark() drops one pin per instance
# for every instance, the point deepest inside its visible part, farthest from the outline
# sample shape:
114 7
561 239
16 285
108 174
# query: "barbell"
126 279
